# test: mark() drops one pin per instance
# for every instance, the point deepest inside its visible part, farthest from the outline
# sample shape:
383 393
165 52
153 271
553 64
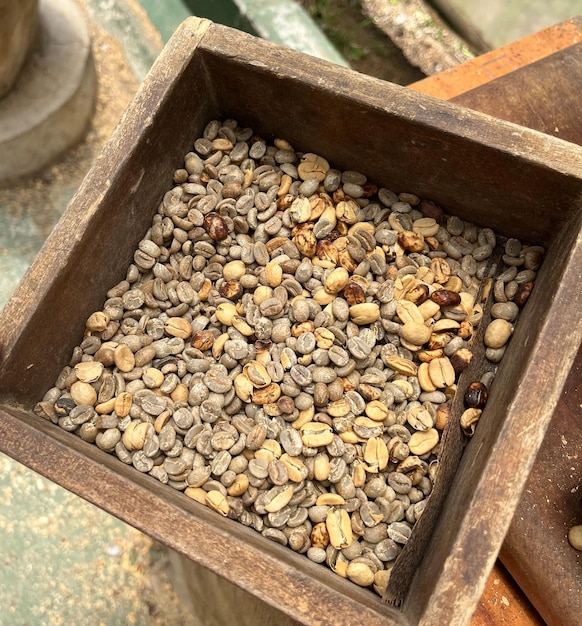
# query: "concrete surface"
491 24
48 108
17 32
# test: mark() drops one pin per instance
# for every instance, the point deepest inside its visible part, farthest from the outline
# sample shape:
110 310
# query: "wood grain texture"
483 169
538 92
504 61
282 578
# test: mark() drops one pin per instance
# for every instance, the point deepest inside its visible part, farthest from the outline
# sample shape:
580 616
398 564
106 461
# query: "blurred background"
63 561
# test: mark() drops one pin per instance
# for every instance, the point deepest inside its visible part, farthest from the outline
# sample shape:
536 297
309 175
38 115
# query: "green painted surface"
282 21
285 22
166 15
225 12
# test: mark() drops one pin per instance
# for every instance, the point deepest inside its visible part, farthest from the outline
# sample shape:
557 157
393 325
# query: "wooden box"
518 181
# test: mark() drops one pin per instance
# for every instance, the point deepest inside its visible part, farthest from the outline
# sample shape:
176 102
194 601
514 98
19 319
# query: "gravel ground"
62 560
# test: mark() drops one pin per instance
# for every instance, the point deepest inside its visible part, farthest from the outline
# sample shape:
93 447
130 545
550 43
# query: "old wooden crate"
517 181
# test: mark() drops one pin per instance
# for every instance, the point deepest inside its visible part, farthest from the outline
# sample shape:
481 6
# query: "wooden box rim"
303 588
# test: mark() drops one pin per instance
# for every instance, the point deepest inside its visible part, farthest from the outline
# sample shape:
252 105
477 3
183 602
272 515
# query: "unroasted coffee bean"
286 345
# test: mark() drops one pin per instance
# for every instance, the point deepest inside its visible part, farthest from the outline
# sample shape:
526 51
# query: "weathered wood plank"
531 82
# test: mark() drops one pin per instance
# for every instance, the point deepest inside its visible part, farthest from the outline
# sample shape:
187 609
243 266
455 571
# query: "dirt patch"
366 48
401 41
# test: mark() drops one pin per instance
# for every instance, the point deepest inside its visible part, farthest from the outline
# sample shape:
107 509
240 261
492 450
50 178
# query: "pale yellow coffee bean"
280 501
225 313
330 499
445 325
180 393
497 333
358 473
222 144
419 418
83 393
242 326
336 280
422 442
321 467
123 358
441 372
218 345
408 312
426 226
364 313
139 435
339 528
469 420
406 387
234 270
426 356
376 455
347 211
454 284
415 333
105 407
360 573
97 322
323 297
349 436
162 419
243 387
273 274
401 365
428 309
300 210
424 379
476 316
262 293
217 502
377 411
88 371
575 537
338 408
312 166
152 377
196 493
381 578
324 338
267 395
123 404
316 434
128 434
296 469
257 373
282 144
178 327
366 422
305 416
269 451
284 186
239 486
340 567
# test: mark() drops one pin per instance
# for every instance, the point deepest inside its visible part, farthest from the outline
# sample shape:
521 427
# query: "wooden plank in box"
517 181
